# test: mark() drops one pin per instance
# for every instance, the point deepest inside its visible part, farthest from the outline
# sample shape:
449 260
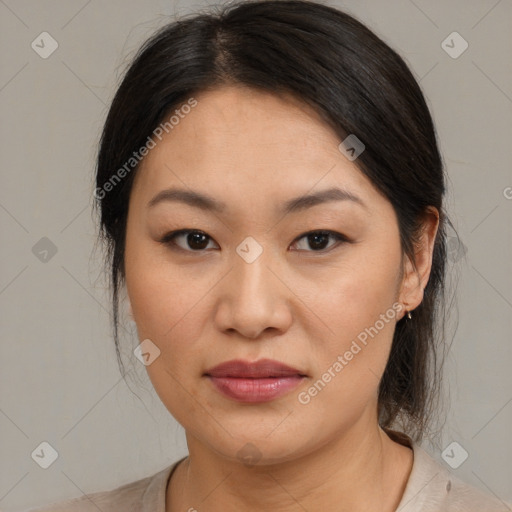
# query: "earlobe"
411 282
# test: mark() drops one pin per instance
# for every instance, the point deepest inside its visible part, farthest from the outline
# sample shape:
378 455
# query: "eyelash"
169 238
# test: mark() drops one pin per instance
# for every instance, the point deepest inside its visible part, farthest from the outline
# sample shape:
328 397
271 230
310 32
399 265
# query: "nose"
253 299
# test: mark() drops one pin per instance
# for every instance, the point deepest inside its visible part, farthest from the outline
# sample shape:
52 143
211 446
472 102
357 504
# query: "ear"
415 276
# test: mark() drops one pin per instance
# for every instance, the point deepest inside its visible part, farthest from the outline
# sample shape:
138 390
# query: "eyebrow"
208 203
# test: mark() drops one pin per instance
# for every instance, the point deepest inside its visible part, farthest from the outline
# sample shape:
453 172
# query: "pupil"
192 241
315 237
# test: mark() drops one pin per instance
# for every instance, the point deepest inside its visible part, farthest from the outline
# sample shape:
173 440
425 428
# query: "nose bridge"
251 272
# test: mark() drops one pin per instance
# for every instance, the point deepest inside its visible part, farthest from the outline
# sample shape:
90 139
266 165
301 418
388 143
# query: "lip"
256 369
258 381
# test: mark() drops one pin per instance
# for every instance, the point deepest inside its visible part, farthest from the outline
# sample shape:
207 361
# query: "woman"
271 194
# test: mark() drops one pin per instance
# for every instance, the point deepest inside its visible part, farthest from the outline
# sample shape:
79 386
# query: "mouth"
252 382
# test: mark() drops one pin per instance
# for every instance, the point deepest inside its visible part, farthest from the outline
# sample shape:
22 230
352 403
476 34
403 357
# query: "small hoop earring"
409 316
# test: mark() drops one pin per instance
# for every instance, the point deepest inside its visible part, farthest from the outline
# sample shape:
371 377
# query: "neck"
362 470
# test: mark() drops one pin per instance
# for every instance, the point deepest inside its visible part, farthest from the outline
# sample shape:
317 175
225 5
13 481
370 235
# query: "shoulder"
145 494
431 487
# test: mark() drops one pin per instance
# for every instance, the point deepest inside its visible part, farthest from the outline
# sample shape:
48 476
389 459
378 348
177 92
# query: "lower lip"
255 390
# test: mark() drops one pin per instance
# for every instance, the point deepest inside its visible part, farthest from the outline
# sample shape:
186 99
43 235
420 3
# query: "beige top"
430 488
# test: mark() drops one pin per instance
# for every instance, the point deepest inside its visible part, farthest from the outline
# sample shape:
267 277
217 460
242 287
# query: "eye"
196 240
317 239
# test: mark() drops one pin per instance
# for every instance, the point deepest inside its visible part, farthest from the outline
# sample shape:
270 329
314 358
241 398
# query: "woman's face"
253 286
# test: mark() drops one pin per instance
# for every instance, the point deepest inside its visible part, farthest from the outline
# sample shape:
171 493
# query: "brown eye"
192 240
319 240
197 241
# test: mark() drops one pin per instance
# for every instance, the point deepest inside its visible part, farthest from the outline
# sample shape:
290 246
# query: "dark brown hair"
358 84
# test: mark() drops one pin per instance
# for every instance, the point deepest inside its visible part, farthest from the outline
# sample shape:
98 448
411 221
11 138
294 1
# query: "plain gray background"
59 377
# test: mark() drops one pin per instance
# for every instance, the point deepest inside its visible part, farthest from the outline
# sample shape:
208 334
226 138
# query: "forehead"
242 141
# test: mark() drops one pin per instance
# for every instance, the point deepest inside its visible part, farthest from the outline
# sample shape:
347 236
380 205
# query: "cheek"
171 308
353 339
352 295
164 305
168 311
159 294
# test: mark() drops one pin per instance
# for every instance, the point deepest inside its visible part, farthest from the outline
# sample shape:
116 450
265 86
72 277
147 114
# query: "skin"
295 303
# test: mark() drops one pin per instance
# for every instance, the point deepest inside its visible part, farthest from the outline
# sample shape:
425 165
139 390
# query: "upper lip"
257 369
